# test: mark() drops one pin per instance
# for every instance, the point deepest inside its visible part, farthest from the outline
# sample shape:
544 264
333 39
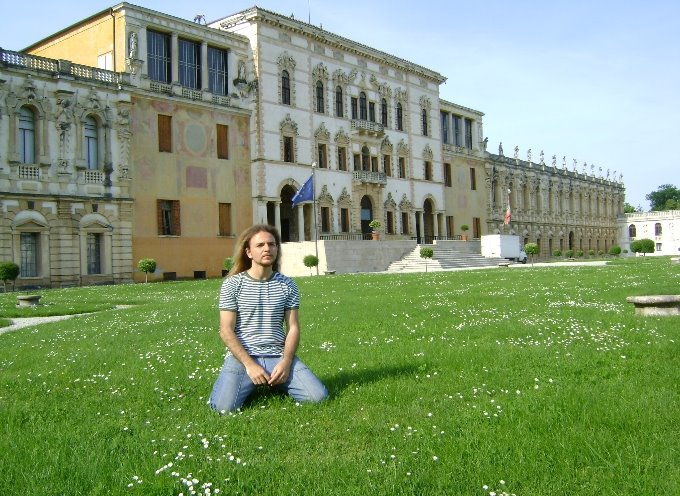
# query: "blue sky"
595 81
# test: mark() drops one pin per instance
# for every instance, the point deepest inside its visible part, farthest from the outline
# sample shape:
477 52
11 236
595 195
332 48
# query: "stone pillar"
204 66
301 223
421 231
174 64
277 215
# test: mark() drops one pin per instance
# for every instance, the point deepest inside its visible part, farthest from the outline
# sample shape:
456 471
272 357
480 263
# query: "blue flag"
305 193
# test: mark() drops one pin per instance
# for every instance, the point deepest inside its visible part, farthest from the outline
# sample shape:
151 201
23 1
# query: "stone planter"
656 305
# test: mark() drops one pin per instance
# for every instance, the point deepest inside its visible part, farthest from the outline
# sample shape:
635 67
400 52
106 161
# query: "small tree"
146 265
557 253
374 224
531 249
579 253
643 246
228 263
615 251
569 253
464 228
9 271
426 253
310 261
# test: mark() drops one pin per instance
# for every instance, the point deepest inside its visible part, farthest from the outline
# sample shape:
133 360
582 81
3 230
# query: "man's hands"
260 376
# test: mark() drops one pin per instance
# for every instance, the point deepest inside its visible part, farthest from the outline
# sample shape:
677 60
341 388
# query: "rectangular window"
342 158
428 171
468 133
224 213
91 142
387 165
218 73
325 219
288 155
323 156
447 175
222 141
168 217
404 223
457 133
374 164
371 111
473 179
26 136
445 127
390 222
402 168
354 107
158 56
29 254
658 247
344 219
105 61
190 64
449 225
94 253
164 133
357 162
476 227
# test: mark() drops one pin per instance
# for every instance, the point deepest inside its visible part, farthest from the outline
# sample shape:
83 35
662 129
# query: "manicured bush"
426 252
9 271
579 253
310 261
591 253
569 253
146 265
531 249
557 253
643 246
600 252
228 263
615 250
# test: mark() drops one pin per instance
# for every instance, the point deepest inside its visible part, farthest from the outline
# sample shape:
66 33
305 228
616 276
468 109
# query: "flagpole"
316 235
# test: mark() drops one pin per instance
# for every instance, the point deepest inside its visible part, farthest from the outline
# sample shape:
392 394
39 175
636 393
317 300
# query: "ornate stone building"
556 207
64 172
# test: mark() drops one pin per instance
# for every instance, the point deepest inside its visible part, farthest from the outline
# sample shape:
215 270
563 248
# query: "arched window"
285 88
632 232
400 118
424 122
339 104
363 109
657 229
26 136
319 97
365 159
383 112
91 144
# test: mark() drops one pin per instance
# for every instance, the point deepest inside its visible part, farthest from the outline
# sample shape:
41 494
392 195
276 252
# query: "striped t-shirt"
260 308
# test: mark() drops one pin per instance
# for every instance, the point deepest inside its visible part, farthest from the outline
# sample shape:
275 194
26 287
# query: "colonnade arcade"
555 208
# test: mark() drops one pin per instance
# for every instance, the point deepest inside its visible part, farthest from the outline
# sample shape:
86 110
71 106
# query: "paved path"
32 321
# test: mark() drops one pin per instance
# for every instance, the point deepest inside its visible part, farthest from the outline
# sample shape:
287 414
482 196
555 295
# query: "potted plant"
375 225
464 228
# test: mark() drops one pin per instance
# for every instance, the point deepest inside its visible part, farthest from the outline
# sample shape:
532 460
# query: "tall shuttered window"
222 141
218 71
158 56
164 133
168 218
225 219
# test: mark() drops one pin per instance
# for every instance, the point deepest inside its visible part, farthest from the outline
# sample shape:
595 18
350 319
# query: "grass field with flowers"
528 381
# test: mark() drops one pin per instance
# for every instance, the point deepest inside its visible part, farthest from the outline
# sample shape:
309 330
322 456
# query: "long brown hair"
242 261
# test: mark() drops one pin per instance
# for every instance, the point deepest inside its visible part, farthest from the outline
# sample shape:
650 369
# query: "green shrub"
579 253
9 271
146 265
569 253
557 253
625 251
591 253
228 263
643 246
310 261
615 250
426 252
600 252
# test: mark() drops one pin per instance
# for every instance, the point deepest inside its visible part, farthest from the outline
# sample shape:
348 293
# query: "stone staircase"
443 258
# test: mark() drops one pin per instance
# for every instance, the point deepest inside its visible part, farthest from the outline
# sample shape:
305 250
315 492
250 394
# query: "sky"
593 80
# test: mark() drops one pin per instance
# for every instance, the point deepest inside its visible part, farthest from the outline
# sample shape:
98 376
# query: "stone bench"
656 305
28 300
329 272
504 264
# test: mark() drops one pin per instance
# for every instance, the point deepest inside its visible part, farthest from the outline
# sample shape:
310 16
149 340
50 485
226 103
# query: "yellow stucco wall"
194 175
461 201
86 41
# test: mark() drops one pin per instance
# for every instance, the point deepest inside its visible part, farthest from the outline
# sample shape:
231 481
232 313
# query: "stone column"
301 223
277 215
204 66
174 64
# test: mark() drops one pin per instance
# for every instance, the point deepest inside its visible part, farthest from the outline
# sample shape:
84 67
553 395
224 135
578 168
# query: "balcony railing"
29 172
367 126
370 177
94 177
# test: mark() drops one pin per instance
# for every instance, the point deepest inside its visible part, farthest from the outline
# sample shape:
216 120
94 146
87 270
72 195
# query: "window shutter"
176 226
159 216
222 141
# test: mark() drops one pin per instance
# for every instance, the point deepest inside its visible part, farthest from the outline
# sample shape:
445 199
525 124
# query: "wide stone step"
442 259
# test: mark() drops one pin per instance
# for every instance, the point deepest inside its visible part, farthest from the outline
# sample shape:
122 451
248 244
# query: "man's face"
262 249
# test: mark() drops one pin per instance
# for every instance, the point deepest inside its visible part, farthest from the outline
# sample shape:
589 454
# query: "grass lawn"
527 381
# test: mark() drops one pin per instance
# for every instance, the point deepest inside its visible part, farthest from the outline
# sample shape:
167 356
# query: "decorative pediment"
341 137
390 204
383 89
288 125
27 220
322 134
325 196
425 102
400 95
402 148
340 77
286 62
320 71
386 145
344 198
405 205
427 152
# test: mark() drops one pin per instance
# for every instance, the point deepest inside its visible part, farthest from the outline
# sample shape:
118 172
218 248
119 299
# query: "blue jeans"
233 386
